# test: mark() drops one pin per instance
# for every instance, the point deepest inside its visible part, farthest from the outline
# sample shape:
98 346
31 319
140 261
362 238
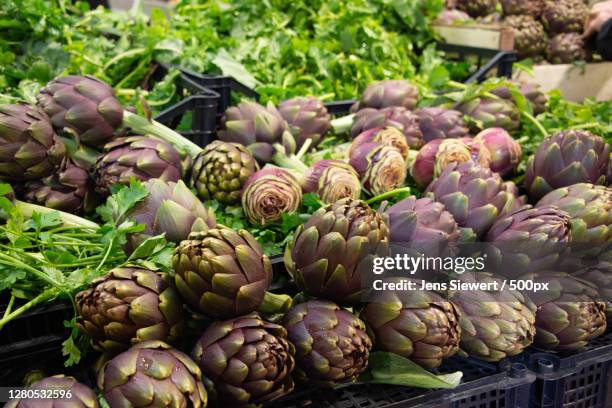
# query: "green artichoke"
567 48
419 325
85 105
128 306
441 123
332 180
81 396
393 116
423 225
488 112
504 150
531 8
564 16
248 360
331 344
381 168
474 195
169 208
307 117
152 374
222 273
384 94
334 248
69 189
569 313
565 158
389 136
140 157
590 209
29 148
220 171
477 8
495 324
270 193
258 128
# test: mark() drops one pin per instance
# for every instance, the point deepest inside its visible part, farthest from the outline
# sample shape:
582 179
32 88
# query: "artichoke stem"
43 297
304 149
27 209
273 303
343 124
143 126
536 123
289 162
388 194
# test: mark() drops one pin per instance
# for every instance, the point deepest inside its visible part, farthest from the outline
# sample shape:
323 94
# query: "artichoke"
152 374
169 208
437 154
389 136
128 306
600 275
531 8
29 148
220 171
567 48
258 128
477 8
441 123
331 251
531 92
423 225
590 209
495 324
504 150
270 193
565 158
332 180
307 117
86 106
529 36
381 168
474 195
222 273
394 116
248 359
419 325
529 239
81 396
452 16
569 313
384 94
331 344
141 157
489 112
564 16
69 189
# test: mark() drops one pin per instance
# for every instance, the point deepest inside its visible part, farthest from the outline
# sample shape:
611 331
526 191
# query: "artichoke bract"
531 8
331 344
495 324
441 123
529 36
85 105
423 225
222 273
384 94
504 150
569 313
332 180
529 239
128 306
590 209
477 8
169 208
220 171
419 325
389 136
69 189
474 195
152 374
567 48
258 128
381 168
29 148
531 92
564 16
307 117
81 396
565 158
600 275
394 116
490 112
140 157
248 360
270 193
331 251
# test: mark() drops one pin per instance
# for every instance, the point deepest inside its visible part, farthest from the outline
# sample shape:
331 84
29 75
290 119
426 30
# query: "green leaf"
122 201
233 68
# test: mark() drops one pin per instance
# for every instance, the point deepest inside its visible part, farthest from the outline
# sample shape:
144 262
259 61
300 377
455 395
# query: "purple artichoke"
389 136
395 116
452 16
531 92
504 150
567 48
307 118
477 8
332 180
523 7
81 396
441 123
384 94
381 168
564 16
600 275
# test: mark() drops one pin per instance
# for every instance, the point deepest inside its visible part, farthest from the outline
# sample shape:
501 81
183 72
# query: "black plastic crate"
484 385
580 379
487 60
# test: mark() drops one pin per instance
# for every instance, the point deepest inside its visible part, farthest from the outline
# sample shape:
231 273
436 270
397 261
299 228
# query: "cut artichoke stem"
343 124
69 220
143 126
291 162
273 303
